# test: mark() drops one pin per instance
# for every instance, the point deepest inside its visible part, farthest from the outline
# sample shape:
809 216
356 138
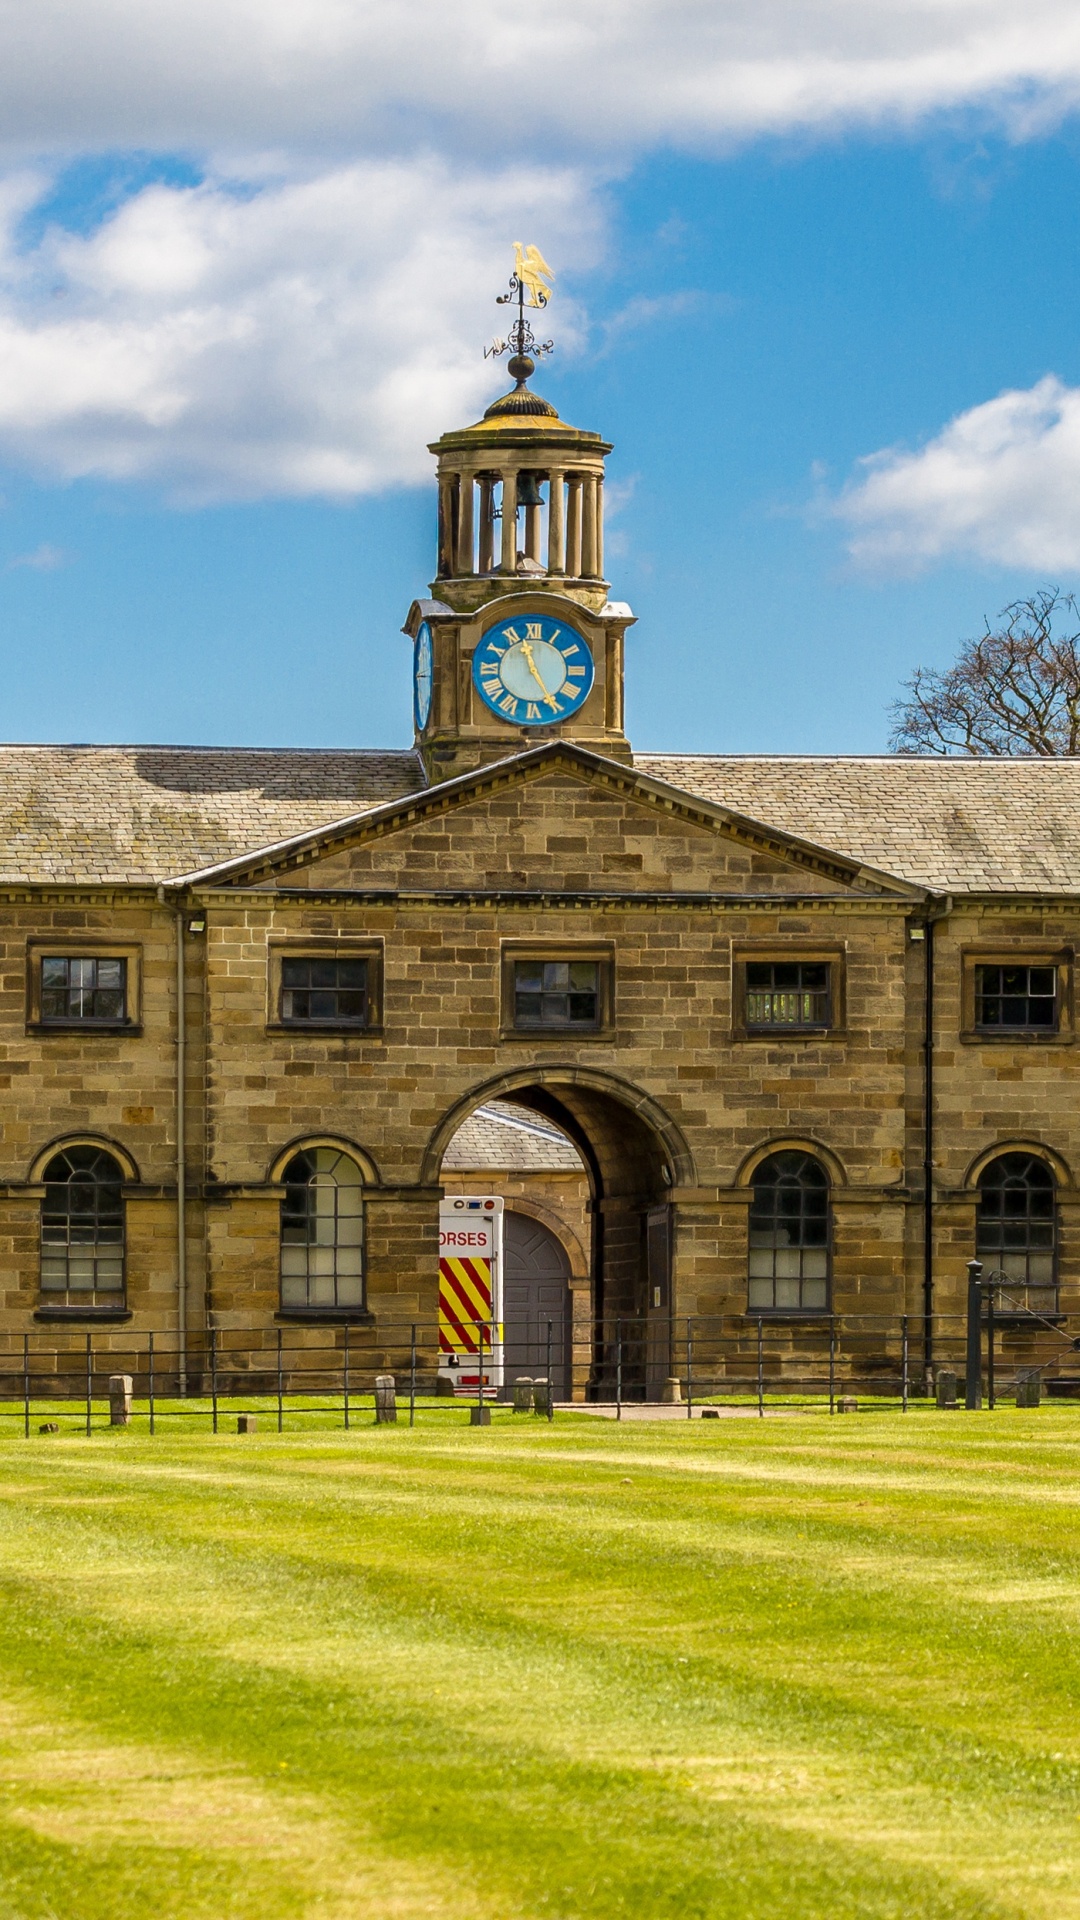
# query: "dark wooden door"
536 1289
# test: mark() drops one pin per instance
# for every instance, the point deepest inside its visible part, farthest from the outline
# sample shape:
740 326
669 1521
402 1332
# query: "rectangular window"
90 990
557 993
1016 999
324 993
786 995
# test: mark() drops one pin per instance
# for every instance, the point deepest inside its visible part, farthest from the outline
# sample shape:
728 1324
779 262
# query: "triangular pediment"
555 818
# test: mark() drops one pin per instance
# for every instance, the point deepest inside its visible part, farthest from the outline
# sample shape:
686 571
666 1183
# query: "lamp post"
973 1370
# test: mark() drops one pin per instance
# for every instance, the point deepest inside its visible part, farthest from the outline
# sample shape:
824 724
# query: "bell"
528 490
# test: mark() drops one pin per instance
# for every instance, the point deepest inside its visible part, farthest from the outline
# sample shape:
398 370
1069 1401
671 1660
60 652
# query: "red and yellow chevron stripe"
464 1305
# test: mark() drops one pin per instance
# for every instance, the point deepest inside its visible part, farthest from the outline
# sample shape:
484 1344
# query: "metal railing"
328 1375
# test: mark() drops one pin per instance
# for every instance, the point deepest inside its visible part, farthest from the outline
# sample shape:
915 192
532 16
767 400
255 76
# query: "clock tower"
519 642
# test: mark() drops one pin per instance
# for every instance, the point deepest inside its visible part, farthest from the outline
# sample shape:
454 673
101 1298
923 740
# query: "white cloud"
43 559
1000 483
613 74
307 337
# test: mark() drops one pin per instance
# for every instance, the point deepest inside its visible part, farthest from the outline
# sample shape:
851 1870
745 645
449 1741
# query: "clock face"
422 676
533 671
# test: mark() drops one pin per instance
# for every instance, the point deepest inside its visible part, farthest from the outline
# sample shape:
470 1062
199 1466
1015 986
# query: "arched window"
1016 1220
322 1231
789 1234
82 1229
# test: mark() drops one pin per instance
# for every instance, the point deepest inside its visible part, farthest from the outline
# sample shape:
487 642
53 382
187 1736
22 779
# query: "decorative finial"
528 289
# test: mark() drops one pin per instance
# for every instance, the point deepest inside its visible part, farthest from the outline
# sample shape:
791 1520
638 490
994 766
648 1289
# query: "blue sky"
219 362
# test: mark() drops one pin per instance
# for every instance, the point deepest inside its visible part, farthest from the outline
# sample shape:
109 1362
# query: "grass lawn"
788 1668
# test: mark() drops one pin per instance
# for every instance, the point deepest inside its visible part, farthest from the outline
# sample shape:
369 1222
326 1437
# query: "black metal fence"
333 1375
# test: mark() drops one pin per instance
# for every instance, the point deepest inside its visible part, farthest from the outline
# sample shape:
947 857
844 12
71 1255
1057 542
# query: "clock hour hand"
549 697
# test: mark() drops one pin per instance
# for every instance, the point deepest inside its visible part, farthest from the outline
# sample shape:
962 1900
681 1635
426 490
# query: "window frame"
1048 1292
317 1311
63 947
746 954
599 953
279 951
800 1312
1002 954
92 1303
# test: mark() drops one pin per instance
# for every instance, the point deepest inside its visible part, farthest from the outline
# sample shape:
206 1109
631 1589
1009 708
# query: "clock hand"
549 697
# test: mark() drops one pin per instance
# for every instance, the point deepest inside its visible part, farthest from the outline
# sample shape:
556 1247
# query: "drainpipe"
928 1132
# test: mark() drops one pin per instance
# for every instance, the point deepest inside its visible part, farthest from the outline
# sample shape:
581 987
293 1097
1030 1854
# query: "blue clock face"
422 676
533 671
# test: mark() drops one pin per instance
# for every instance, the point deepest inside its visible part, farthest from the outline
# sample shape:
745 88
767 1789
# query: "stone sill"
109 1316
324 1316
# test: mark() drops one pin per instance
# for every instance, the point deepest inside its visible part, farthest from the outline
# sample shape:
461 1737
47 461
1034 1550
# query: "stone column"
508 563
588 527
556 523
599 515
487 523
532 532
573 526
446 525
465 525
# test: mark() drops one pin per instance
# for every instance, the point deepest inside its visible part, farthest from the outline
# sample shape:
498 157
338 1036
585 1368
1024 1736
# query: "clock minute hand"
549 697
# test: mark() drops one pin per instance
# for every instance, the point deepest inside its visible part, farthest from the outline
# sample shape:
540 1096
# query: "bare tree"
1014 691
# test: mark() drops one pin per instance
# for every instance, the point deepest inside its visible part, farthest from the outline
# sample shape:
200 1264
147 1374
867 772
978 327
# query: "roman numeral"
533 629
510 633
532 711
568 652
508 704
493 687
576 673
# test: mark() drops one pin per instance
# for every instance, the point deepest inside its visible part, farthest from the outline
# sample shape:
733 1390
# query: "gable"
560 822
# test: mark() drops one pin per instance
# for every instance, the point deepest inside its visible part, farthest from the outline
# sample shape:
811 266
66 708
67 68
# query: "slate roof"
506 1139
953 825
145 814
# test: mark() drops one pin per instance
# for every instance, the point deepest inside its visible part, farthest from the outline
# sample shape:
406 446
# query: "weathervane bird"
532 270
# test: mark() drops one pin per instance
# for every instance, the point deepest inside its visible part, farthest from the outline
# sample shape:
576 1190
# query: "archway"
632 1155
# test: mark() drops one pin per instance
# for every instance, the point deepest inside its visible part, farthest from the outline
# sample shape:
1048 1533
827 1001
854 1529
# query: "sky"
817 275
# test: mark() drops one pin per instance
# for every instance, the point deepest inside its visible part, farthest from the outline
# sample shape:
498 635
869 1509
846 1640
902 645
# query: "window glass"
1016 1220
325 991
789 1234
557 993
82 1229
322 1231
787 994
83 989
1016 997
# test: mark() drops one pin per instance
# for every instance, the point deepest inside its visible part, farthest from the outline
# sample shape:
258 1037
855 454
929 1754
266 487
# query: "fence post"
89 1380
689 1369
213 1377
345 1377
618 1369
760 1374
150 1378
990 1347
412 1376
973 1368
280 1393
832 1363
903 1363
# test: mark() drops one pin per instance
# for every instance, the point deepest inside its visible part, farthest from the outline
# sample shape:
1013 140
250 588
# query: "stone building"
807 1024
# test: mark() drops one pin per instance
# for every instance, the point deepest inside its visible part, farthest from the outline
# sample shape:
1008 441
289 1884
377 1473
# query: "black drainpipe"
942 913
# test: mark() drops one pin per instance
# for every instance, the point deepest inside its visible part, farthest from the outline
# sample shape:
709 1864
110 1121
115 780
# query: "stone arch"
338 1141
792 1143
634 1155
1058 1167
571 1086
100 1140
